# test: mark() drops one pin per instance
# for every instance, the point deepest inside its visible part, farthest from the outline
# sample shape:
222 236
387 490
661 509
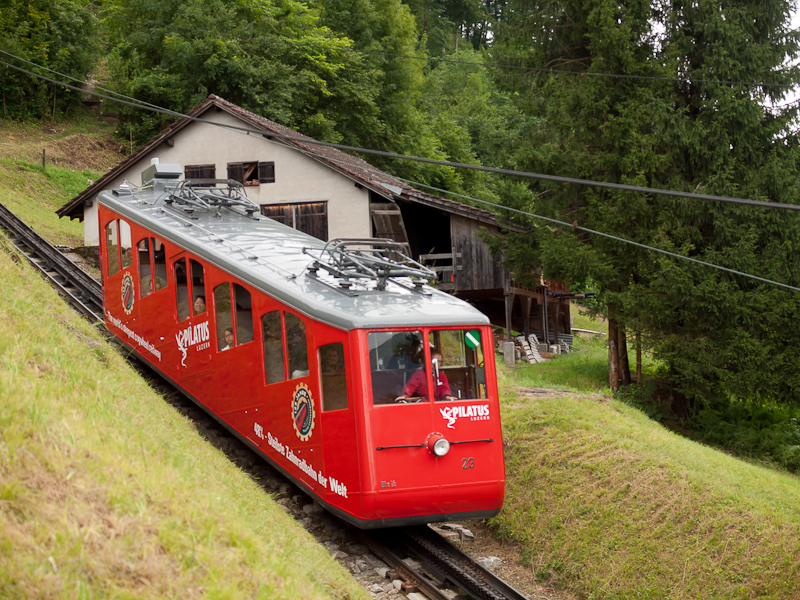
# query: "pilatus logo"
476 412
127 294
192 336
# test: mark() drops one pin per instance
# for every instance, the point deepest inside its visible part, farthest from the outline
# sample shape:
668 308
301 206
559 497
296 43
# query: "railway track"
429 563
425 562
81 290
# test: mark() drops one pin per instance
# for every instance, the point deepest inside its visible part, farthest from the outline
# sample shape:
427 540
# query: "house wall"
298 178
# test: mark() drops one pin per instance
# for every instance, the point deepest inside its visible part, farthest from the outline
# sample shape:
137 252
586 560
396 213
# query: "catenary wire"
393 155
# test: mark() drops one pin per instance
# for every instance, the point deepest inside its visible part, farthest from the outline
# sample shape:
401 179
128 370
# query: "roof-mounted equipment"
348 259
208 193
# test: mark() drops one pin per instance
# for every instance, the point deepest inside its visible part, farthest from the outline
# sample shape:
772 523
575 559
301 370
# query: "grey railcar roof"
269 256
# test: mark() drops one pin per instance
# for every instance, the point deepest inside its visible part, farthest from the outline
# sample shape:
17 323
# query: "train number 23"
468 463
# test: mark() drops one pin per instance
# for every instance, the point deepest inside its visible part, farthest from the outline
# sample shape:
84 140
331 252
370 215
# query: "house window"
200 172
252 173
308 217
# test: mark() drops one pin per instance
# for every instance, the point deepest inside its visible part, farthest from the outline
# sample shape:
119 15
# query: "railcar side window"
159 263
461 370
272 334
112 248
222 317
125 244
297 346
244 315
395 357
152 260
334 380
198 288
234 320
145 271
181 289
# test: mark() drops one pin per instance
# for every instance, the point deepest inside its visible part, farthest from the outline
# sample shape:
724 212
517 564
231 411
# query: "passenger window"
181 289
244 315
159 263
460 363
125 244
198 288
112 248
145 274
222 317
234 327
271 333
334 380
296 344
396 362
152 258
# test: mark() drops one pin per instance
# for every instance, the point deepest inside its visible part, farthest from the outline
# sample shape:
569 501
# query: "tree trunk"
624 365
639 358
613 353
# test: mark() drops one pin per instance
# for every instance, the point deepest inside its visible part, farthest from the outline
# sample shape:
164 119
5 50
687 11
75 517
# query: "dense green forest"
689 96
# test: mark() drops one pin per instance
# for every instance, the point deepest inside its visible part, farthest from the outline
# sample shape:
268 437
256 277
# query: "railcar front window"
395 357
460 366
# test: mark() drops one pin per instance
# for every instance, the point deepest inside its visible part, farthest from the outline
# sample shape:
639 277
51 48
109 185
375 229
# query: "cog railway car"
336 362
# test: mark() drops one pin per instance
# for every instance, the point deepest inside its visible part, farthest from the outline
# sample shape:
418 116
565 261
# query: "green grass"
107 492
585 369
34 194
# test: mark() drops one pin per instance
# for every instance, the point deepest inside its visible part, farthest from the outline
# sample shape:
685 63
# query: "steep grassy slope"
107 491
609 504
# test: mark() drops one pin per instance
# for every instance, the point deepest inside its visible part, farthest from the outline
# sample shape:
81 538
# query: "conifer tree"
674 95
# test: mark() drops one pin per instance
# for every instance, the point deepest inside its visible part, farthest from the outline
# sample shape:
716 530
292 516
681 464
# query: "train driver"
417 385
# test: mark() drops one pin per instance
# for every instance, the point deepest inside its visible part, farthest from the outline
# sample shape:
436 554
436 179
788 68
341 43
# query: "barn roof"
348 165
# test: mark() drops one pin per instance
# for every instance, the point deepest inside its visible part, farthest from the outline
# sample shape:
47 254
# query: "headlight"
438 445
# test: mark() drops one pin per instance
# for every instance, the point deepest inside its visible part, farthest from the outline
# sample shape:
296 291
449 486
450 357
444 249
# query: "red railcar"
334 361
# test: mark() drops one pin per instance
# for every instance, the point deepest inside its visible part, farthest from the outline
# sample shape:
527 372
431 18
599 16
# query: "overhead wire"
444 163
558 179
